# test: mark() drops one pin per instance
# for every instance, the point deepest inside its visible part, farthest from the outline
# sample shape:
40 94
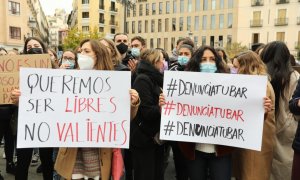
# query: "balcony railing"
102 21
256 23
257 3
281 21
113 23
298 20
282 1
113 9
101 6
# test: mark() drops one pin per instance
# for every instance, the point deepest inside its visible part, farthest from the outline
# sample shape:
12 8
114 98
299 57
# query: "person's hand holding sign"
134 97
15 94
267 104
161 101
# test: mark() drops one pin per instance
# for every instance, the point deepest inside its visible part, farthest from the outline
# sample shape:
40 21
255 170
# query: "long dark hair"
276 56
194 63
38 40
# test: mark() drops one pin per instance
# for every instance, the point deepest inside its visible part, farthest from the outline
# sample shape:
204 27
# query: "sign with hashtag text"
73 108
213 108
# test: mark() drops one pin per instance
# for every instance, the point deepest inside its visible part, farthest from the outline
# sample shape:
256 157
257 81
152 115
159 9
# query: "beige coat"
66 157
256 165
286 127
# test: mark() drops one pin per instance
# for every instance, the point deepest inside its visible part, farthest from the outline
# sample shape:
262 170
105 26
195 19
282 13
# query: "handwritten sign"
73 108
9 71
213 108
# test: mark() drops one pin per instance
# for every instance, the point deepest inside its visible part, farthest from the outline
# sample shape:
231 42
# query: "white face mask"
85 62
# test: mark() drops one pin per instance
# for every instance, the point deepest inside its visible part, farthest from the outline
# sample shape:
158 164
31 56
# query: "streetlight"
32 25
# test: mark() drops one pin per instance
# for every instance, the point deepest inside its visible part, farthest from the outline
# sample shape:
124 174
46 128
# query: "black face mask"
122 48
35 51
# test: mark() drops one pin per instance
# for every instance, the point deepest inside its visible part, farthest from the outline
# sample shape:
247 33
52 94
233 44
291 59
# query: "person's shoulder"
121 67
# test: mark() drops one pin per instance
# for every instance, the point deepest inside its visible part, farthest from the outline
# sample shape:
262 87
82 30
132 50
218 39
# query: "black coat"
148 84
293 105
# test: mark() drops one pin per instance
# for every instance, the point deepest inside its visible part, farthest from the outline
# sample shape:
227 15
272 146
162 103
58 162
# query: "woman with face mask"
147 153
68 60
250 164
185 52
95 163
32 46
53 58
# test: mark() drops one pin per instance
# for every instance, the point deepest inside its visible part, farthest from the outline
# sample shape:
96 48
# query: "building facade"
214 22
102 15
21 19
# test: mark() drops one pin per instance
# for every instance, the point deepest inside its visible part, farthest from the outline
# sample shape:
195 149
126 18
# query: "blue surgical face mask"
208 67
70 62
135 52
234 70
183 60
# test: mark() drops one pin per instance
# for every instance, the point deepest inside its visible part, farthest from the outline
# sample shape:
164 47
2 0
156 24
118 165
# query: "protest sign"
73 108
9 71
214 108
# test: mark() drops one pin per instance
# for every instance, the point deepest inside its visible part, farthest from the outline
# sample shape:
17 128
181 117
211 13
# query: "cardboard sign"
214 108
9 71
74 108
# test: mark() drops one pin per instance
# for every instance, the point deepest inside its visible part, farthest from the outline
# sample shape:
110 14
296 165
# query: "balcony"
282 1
113 9
298 20
257 3
101 21
281 22
256 23
101 6
113 23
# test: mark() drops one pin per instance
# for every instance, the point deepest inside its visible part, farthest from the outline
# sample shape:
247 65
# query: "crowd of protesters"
147 157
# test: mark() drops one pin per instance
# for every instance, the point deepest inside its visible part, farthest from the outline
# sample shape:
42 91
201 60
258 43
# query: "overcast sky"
49 6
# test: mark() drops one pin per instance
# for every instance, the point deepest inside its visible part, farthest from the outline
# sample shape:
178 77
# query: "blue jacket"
295 109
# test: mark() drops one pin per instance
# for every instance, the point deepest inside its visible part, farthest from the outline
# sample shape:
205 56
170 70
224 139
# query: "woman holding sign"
32 46
252 164
95 163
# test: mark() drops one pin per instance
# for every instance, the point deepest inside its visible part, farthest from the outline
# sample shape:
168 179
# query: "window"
197 7
280 36
221 21
152 25
174 6
189 5
101 29
173 45
151 43
203 40
168 7
204 22
159 25
85 28
139 26
166 44
146 26
173 24
133 27
160 7
212 41
153 8
101 4
205 4
112 31
229 40
85 15
85 1
166 24
141 10
196 23
196 41
147 9
14 7
134 10
127 27
181 24
229 20
230 4
188 23
213 4
181 6
158 42
212 22
221 41
101 18
113 6
15 32
128 11
255 38
221 4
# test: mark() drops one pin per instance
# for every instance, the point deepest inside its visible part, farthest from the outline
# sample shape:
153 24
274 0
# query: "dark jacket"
148 84
176 67
295 109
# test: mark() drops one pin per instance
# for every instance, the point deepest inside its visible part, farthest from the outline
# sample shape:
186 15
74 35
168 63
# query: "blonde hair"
115 55
151 55
250 63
